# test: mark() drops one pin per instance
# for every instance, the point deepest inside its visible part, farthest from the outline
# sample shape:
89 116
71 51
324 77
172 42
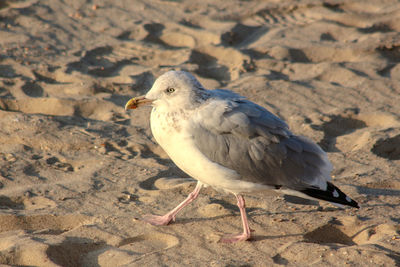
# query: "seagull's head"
174 89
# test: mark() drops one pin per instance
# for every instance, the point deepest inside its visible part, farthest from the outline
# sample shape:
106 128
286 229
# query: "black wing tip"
331 194
353 204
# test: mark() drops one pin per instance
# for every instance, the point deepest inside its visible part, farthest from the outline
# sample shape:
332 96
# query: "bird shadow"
257 238
254 237
377 191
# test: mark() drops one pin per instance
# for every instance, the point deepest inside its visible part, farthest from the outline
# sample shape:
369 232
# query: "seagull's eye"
170 90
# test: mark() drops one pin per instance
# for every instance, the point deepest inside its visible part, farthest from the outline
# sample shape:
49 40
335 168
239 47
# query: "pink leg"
246 229
170 216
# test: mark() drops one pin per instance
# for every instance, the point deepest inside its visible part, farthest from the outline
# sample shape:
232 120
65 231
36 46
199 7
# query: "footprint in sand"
17 248
45 222
132 249
240 34
39 105
339 125
352 130
100 62
163 183
36 240
56 163
219 63
172 182
349 230
49 240
20 248
153 185
388 148
178 39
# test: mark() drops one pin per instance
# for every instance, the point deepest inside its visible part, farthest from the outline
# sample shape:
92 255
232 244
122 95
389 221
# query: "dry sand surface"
77 172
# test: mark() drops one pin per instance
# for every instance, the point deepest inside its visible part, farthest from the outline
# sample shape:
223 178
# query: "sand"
77 172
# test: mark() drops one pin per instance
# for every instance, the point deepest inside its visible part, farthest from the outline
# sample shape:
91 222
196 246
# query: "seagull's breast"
171 132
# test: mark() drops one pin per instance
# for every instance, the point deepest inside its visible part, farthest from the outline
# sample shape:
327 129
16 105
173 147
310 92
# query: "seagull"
225 141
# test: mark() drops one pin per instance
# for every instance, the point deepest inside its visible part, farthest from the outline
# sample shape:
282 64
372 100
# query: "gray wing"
247 138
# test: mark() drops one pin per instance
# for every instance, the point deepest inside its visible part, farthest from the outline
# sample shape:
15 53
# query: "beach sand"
77 172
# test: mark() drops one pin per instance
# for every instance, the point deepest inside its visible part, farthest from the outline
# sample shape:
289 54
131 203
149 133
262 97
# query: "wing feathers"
243 136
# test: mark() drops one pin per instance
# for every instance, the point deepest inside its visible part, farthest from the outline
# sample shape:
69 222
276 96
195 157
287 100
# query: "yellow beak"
137 102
